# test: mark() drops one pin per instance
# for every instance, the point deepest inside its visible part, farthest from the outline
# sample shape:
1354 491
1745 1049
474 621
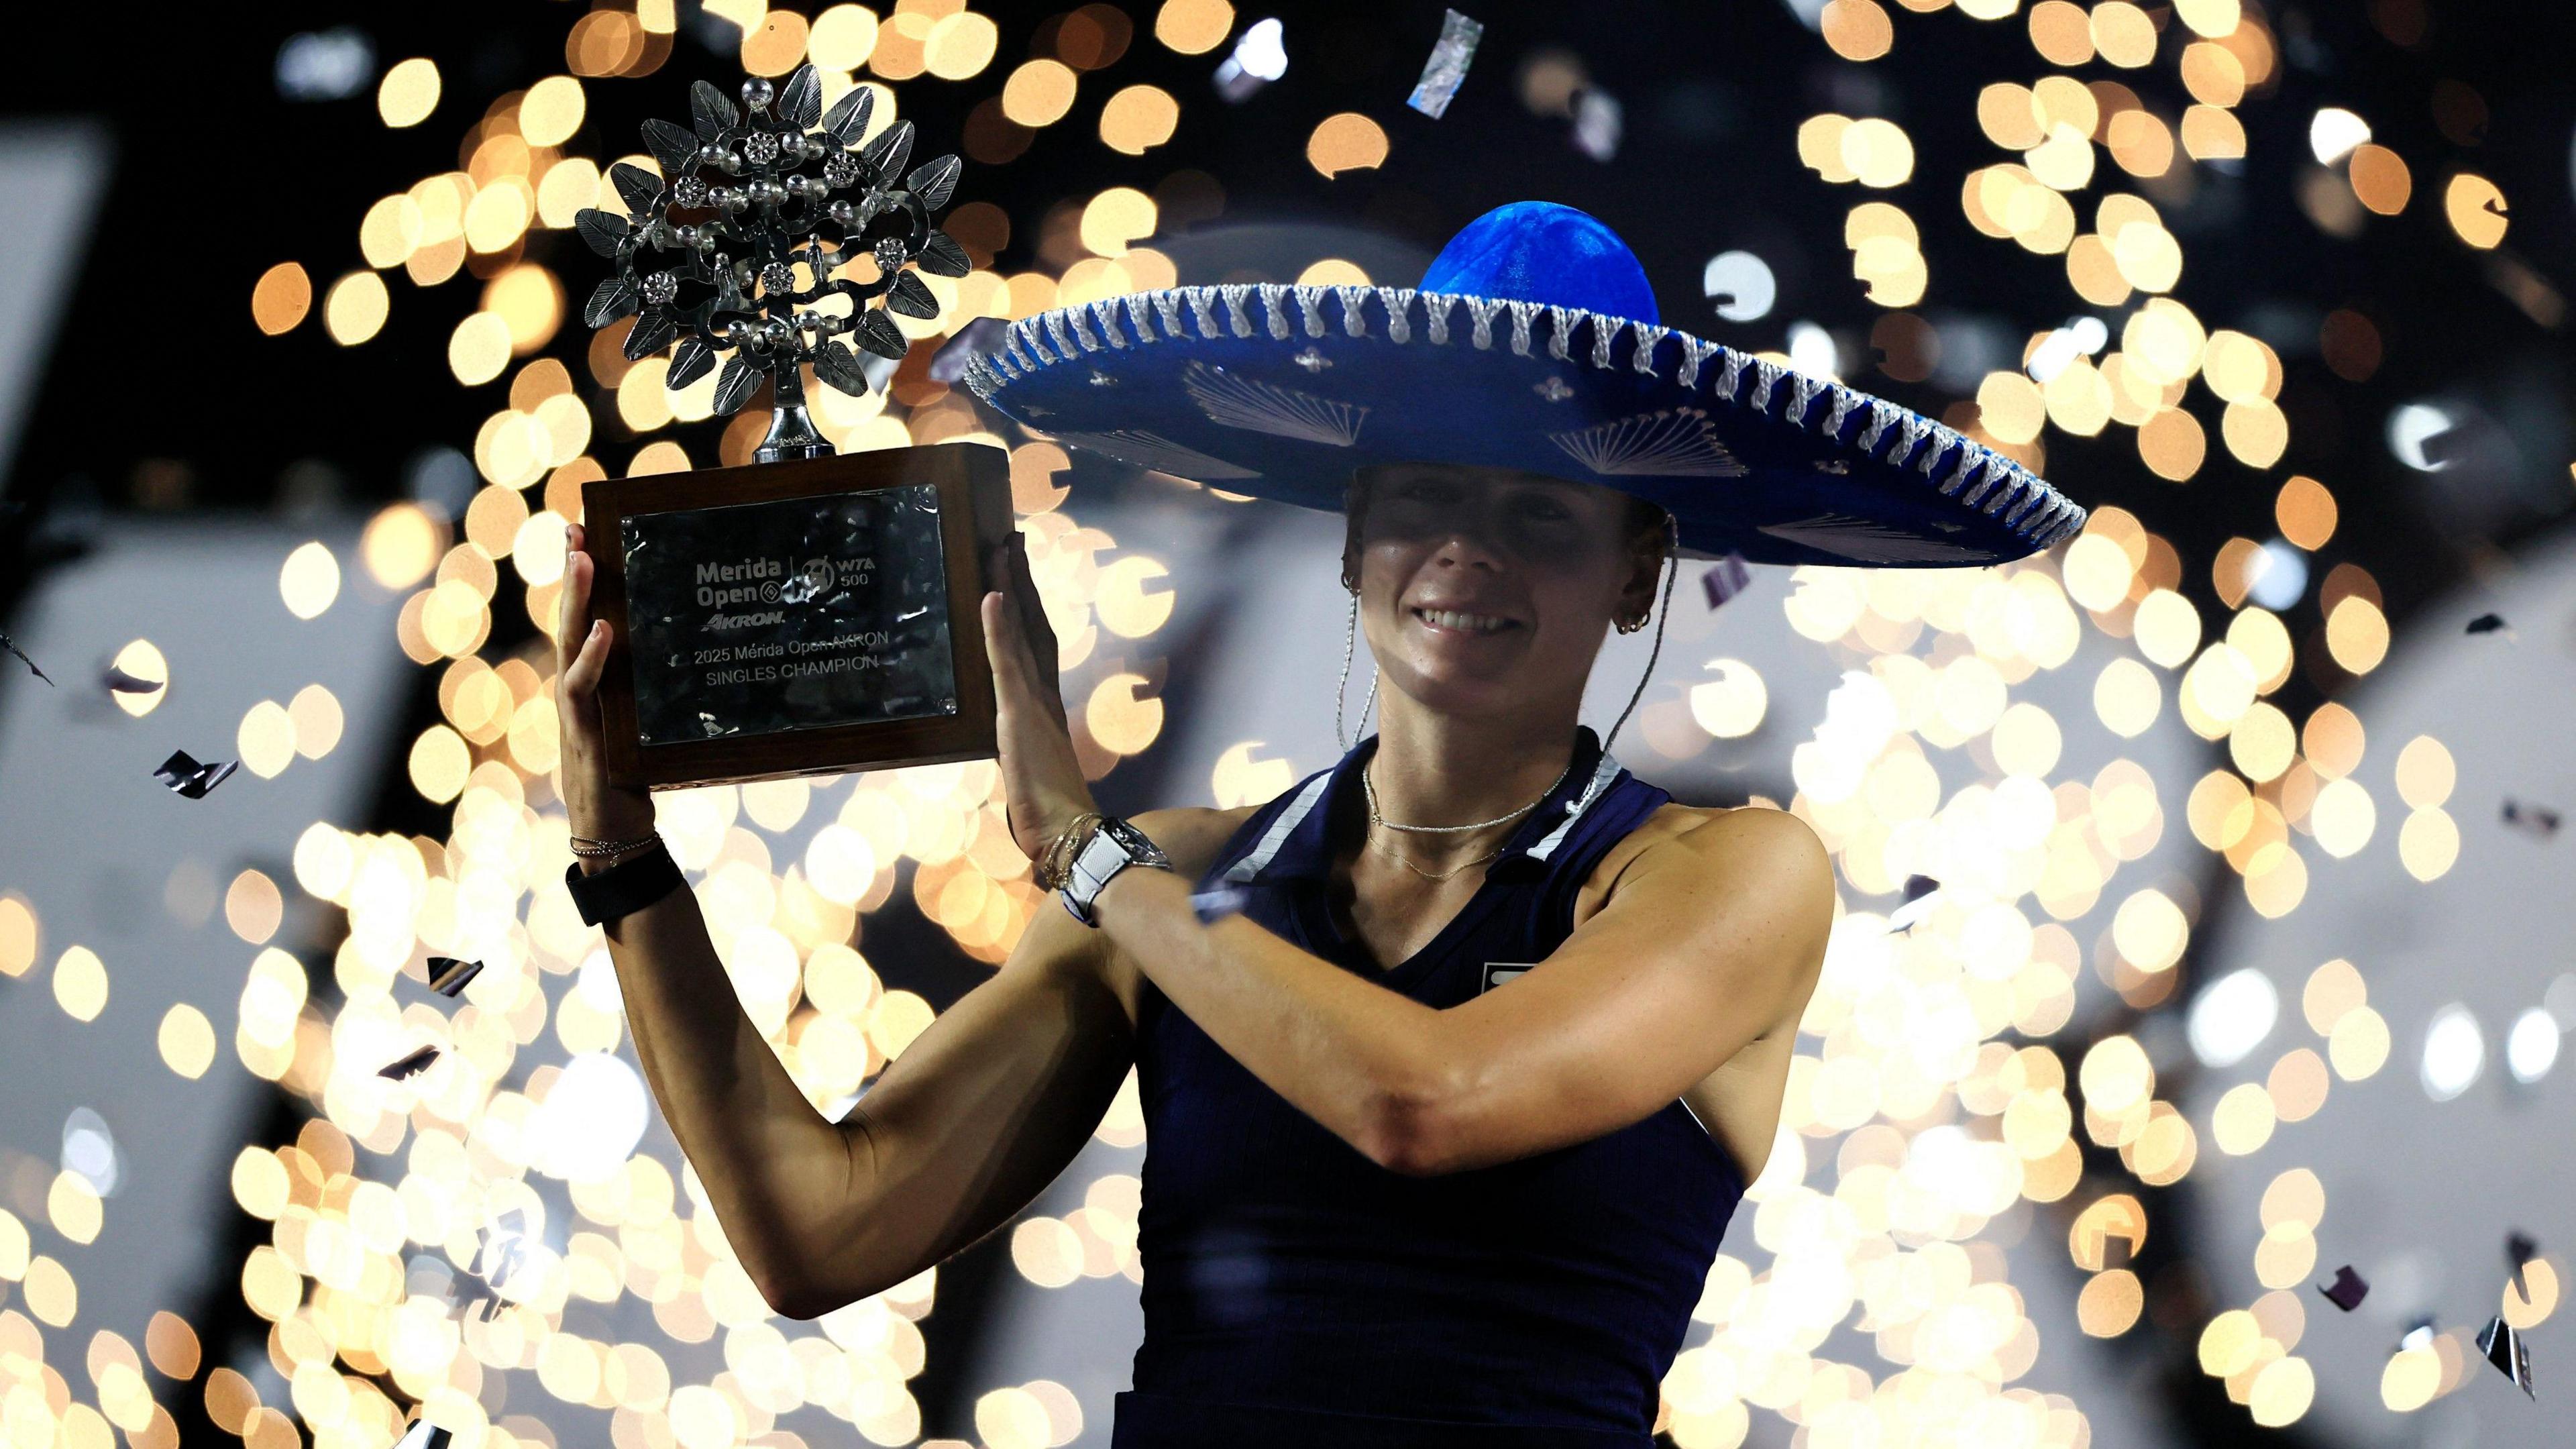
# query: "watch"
1114 845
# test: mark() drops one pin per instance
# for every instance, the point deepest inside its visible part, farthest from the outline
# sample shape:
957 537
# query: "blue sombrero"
1532 343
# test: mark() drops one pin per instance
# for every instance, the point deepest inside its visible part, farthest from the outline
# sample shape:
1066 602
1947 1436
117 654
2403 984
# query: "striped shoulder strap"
1602 775
1257 859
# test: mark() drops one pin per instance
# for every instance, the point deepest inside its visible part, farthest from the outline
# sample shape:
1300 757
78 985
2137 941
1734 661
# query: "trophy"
808 613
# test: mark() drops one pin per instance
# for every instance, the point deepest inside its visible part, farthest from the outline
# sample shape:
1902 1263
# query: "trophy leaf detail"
941 256
674 147
736 386
840 369
637 187
609 301
848 120
712 110
912 297
932 181
691 360
603 230
886 154
800 101
877 333
653 332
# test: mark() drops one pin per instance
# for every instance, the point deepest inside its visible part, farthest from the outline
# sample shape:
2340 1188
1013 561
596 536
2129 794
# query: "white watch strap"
1101 858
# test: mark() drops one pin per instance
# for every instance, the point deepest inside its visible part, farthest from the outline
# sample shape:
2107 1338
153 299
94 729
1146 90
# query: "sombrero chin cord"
1663 611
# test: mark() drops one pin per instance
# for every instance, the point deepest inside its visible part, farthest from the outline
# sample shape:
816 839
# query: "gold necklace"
1370 785
1375 819
1390 854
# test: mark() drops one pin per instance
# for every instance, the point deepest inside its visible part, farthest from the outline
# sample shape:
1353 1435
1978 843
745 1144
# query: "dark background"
161 394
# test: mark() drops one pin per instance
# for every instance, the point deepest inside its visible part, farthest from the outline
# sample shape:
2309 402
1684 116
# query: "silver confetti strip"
1730 577
189 779
2504 1348
412 1064
12 646
1447 66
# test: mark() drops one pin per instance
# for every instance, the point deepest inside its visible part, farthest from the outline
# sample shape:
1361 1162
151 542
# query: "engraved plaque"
800 617
797 614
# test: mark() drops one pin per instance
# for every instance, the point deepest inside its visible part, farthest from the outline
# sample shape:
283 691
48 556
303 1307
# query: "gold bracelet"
585 846
1055 861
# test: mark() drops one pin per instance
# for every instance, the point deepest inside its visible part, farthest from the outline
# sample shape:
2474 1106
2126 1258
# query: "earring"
1628 626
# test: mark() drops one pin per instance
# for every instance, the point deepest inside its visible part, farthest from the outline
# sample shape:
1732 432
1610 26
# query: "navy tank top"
1297 1294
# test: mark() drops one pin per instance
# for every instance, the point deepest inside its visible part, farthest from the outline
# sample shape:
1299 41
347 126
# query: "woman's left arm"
1340 1048
1709 940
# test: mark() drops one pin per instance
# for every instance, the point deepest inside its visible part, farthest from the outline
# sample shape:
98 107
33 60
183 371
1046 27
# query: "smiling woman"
1455 1057
1547 522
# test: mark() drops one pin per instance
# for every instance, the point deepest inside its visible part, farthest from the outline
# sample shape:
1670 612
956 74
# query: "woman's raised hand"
599 810
1041 775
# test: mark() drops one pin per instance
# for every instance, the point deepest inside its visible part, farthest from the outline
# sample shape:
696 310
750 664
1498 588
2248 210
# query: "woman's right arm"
977 1116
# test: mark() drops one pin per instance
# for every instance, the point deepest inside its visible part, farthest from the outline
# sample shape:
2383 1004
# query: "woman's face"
1485 590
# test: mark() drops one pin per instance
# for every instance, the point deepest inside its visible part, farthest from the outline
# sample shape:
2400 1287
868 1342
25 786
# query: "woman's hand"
599 810
1041 775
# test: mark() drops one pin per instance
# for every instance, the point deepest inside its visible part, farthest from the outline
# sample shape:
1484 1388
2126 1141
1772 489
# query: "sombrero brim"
1281 391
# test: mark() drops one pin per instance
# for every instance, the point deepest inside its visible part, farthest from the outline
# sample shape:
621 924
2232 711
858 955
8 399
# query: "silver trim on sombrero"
1961 469
1234 401
1668 443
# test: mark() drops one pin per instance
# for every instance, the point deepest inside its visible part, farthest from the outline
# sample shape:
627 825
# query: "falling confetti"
2520 1248
2503 1348
1596 124
477 1298
1918 888
12 646
120 682
190 780
411 1065
2488 624
1447 66
448 976
2418 1336
504 1250
979 338
1727 578
2538 820
2347 1290
426 1435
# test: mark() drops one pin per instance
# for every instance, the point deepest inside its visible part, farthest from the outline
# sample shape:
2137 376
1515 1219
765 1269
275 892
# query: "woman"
1455 1059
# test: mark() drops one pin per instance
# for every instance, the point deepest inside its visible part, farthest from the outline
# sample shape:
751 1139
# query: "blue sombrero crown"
1566 370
